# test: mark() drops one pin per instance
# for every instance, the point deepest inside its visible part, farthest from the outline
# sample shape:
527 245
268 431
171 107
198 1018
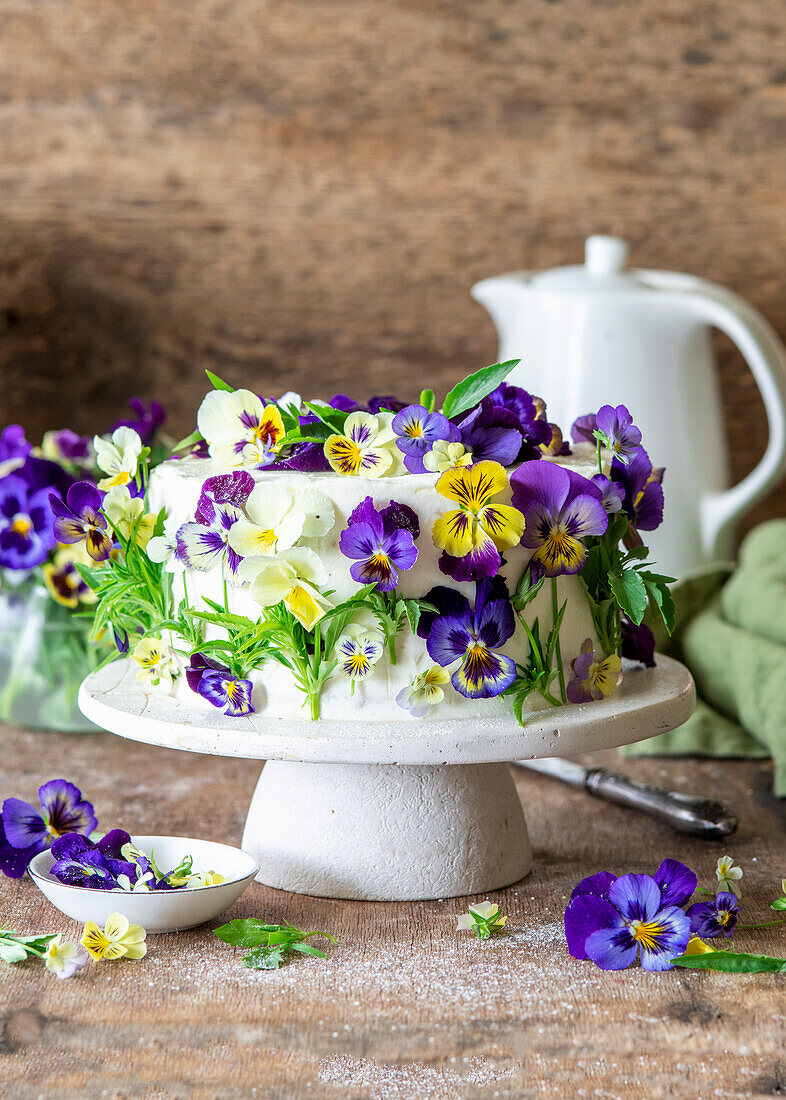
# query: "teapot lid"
604 269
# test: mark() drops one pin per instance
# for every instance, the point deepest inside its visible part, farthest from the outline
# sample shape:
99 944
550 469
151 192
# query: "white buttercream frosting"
176 486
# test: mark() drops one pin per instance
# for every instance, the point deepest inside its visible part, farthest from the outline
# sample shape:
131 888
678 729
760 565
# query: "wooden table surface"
404 1006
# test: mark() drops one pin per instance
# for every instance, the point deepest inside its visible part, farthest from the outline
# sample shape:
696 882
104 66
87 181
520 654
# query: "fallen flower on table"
15 948
728 875
118 939
484 920
270 944
697 946
25 831
611 920
715 918
63 958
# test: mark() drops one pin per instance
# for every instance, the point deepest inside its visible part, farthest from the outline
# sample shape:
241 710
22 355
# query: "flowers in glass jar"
63 580
26 535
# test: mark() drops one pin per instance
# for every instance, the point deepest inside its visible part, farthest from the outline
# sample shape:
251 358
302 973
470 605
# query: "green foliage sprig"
270 944
541 668
732 962
15 948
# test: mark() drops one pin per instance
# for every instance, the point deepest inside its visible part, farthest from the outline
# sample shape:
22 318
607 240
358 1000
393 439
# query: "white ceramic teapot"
596 334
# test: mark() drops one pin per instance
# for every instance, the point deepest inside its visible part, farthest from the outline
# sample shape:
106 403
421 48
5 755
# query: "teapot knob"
605 255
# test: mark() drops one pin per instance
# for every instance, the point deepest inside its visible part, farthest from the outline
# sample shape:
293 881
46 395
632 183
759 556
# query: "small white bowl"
156 910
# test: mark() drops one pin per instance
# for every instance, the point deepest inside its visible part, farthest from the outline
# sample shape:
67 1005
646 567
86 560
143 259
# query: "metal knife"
687 813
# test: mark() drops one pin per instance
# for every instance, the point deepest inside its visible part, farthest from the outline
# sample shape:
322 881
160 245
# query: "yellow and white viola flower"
118 457
125 512
275 518
240 430
480 527
204 878
63 958
63 580
729 875
367 447
446 456
290 401
158 663
118 939
292 577
425 690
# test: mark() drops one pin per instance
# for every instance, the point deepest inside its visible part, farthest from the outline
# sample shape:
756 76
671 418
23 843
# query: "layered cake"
388 561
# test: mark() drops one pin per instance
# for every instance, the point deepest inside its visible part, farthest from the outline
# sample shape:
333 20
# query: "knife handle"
686 813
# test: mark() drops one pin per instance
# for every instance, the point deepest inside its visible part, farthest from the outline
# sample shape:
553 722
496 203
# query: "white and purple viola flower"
216 683
560 508
614 426
382 543
417 430
611 920
203 544
239 428
26 535
67 447
611 493
473 636
594 676
26 830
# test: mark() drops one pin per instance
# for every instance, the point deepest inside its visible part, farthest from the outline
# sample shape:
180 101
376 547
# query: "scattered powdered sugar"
386 1081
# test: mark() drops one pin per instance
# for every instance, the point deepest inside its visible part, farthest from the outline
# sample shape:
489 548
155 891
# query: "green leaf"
660 597
265 958
630 593
188 442
476 386
11 952
412 608
309 949
247 933
732 962
778 905
427 400
219 383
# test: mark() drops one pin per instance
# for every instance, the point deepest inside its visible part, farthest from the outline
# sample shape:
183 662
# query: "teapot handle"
766 356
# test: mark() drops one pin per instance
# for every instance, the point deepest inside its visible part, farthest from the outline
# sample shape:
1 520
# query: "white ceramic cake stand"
391 811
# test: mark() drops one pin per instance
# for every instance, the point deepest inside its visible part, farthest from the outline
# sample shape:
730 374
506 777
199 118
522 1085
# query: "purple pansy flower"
595 676
381 542
528 414
216 683
473 636
26 535
616 424
145 422
417 430
64 445
14 449
612 493
715 918
610 920
638 643
560 508
643 490
203 544
80 520
491 432
14 861
62 810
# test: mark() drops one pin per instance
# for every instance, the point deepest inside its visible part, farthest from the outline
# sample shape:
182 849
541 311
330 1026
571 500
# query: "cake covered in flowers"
384 561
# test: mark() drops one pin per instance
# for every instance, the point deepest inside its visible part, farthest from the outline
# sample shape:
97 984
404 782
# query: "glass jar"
44 656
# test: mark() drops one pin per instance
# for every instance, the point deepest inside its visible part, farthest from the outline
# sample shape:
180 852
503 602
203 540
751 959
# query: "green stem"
226 596
767 924
600 462
555 614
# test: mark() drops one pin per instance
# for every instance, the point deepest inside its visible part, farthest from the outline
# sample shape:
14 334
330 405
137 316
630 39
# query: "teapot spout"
501 296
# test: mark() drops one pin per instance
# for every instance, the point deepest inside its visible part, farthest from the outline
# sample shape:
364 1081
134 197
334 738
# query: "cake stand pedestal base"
381 832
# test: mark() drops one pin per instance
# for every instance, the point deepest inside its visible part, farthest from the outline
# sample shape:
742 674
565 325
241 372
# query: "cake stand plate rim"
647 702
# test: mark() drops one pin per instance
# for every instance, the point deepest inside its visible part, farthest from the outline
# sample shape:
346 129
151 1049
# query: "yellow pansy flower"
116 940
480 527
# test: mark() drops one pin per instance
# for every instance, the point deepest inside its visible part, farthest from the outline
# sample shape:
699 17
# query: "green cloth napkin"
731 633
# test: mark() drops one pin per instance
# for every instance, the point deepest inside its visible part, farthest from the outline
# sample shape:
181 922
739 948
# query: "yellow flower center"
723 917
415 430
646 933
22 525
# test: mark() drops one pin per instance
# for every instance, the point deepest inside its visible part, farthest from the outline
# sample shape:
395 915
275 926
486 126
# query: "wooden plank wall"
300 192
